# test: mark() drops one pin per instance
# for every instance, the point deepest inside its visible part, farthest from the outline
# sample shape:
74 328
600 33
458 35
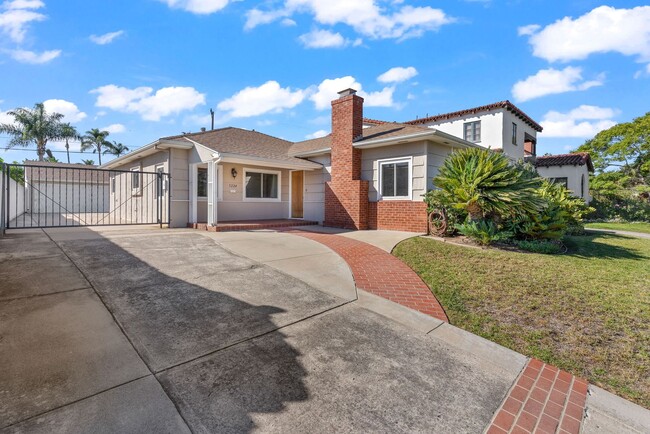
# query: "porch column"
193 193
213 192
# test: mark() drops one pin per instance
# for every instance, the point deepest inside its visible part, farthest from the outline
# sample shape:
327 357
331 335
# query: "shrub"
483 184
484 232
437 200
538 246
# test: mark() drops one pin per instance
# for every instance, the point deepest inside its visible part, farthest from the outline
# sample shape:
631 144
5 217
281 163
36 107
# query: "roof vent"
203 129
347 92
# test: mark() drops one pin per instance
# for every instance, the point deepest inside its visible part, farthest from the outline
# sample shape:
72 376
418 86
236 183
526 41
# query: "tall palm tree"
88 162
116 149
68 132
95 139
33 126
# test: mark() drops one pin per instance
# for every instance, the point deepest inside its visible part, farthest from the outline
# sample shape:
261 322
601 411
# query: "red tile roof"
576 159
369 121
497 105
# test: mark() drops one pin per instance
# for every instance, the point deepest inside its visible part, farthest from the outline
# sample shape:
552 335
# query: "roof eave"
269 162
433 135
151 148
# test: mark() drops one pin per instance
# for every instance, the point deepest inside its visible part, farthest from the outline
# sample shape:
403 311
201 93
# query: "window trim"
396 160
262 199
136 191
473 131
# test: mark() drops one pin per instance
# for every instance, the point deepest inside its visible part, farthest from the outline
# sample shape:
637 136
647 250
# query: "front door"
297 188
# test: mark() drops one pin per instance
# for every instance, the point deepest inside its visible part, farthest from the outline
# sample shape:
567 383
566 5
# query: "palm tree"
95 140
33 126
116 149
88 162
68 132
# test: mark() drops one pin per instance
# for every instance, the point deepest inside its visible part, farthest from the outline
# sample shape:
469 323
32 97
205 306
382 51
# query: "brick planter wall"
398 215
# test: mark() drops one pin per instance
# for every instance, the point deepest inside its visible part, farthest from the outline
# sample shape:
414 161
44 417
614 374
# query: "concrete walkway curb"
617 232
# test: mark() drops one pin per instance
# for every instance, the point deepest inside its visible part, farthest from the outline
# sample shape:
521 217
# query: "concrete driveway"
145 330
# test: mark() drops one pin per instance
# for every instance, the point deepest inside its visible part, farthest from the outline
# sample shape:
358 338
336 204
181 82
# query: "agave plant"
484 183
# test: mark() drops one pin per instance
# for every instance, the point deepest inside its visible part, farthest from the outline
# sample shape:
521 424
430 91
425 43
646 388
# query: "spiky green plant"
33 126
485 183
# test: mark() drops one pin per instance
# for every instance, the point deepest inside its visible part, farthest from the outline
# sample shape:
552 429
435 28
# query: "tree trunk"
67 150
475 212
99 152
40 150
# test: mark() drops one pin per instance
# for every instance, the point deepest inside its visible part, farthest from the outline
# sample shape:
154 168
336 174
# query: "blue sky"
149 68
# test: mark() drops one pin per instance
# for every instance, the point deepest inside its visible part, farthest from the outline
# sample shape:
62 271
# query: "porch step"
250 225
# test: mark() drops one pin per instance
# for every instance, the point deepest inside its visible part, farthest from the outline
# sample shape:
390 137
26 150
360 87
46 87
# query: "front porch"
251 225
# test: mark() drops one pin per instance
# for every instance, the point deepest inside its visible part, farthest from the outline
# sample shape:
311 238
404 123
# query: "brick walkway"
544 400
380 273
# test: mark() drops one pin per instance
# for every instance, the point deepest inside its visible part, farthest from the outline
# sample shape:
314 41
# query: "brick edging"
381 273
544 399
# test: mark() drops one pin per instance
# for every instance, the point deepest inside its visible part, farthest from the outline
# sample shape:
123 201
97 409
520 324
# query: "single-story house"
356 177
571 170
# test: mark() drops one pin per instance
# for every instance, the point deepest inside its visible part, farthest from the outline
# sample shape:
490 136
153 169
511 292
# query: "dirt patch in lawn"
586 311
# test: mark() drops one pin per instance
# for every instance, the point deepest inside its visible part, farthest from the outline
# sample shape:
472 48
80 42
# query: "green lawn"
632 227
587 311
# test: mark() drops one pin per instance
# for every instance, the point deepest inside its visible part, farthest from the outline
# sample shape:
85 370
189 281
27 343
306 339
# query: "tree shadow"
220 358
591 245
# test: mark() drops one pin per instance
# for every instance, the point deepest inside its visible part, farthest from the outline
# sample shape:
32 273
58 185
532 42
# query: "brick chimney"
346 195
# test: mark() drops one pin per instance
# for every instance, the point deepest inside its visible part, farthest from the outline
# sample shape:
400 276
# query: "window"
473 131
395 179
514 133
562 181
202 182
262 184
135 180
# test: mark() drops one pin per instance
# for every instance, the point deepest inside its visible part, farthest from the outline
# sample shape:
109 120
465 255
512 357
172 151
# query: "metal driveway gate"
46 196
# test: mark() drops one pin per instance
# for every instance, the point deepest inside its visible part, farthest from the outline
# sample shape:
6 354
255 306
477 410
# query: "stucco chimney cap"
347 92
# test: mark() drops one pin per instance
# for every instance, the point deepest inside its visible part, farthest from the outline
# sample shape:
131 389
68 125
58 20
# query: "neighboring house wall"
17 197
577 178
314 194
511 150
71 197
491 128
180 193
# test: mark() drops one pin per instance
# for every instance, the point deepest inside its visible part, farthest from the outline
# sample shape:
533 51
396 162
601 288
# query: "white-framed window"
395 178
202 182
136 180
472 131
261 185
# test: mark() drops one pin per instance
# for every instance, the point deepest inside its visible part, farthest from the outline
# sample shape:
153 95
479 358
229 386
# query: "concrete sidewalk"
143 330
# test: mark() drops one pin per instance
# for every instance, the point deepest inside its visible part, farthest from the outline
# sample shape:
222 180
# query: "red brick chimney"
346 195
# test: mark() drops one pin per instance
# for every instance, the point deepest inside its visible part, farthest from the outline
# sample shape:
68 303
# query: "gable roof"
497 105
575 159
382 130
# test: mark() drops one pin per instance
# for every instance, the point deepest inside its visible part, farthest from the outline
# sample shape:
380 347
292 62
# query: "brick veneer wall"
398 215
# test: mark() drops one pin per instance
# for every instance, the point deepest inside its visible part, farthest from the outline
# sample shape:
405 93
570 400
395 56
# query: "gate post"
3 210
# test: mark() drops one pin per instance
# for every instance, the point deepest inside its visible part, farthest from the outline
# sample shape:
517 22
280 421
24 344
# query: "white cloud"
34 58
316 135
288 22
6 118
366 17
68 109
114 128
200 7
553 81
604 29
398 74
267 98
528 30
328 90
106 38
323 39
150 106
17 15
584 121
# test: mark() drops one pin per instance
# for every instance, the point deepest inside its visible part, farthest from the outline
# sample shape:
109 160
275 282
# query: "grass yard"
587 311
631 227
